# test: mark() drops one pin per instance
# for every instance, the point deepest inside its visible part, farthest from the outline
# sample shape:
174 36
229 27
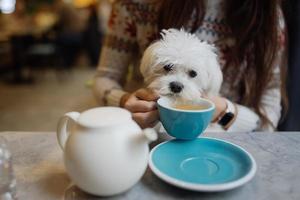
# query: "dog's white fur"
185 52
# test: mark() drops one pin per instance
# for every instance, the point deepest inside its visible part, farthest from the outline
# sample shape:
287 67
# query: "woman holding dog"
249 36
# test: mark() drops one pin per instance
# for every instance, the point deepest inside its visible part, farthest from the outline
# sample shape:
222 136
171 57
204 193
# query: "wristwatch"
228 116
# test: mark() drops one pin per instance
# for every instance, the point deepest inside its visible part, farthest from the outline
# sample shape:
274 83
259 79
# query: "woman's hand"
142 105
220 104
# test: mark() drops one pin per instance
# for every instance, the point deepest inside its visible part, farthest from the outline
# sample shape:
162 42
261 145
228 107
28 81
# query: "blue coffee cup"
185 124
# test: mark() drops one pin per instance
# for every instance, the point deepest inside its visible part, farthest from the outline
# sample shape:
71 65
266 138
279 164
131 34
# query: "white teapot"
106 152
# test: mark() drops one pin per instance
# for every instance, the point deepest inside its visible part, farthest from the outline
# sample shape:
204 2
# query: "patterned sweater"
132 27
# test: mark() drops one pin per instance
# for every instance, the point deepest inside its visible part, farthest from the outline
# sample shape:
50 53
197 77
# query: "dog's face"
181 66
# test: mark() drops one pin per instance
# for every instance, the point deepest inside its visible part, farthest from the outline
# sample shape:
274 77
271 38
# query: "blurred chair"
43 53
30 53
19 47
5 57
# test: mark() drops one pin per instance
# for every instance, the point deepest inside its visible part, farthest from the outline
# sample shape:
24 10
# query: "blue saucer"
203 164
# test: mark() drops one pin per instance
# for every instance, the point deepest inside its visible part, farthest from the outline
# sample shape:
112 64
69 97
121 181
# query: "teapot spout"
149 134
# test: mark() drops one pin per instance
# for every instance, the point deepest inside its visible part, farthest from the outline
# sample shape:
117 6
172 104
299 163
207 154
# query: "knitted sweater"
132 27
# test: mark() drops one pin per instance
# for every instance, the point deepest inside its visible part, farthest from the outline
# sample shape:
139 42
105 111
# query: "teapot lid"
103 116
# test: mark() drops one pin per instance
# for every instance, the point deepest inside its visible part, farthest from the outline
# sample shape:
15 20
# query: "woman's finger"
152 116
135 105
146 119
152 124
147 94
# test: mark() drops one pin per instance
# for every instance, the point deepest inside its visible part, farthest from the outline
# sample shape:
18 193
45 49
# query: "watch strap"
228 115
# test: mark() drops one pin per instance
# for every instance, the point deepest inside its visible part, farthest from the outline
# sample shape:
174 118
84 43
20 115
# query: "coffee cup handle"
62 132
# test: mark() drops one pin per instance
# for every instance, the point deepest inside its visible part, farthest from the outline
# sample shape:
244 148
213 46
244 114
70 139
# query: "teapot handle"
62 132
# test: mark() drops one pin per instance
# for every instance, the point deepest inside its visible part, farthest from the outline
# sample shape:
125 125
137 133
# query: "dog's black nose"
176 87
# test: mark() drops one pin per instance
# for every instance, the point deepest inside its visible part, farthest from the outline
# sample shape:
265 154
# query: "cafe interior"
49 53
49 50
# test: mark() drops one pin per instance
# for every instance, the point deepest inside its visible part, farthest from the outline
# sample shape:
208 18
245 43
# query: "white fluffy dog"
181 66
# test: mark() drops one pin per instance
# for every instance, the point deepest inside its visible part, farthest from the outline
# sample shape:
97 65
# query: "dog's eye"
168 67
192 73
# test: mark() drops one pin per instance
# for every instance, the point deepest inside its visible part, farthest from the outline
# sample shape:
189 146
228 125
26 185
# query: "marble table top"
40 171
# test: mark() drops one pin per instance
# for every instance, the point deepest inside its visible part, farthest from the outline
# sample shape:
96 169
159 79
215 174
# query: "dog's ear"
148 60
215 79
215 86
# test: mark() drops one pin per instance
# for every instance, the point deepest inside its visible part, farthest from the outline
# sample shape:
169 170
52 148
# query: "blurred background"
49 50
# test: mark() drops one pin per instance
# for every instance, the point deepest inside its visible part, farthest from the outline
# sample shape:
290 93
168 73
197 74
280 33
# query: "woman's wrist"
232 111
225 116
220 107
